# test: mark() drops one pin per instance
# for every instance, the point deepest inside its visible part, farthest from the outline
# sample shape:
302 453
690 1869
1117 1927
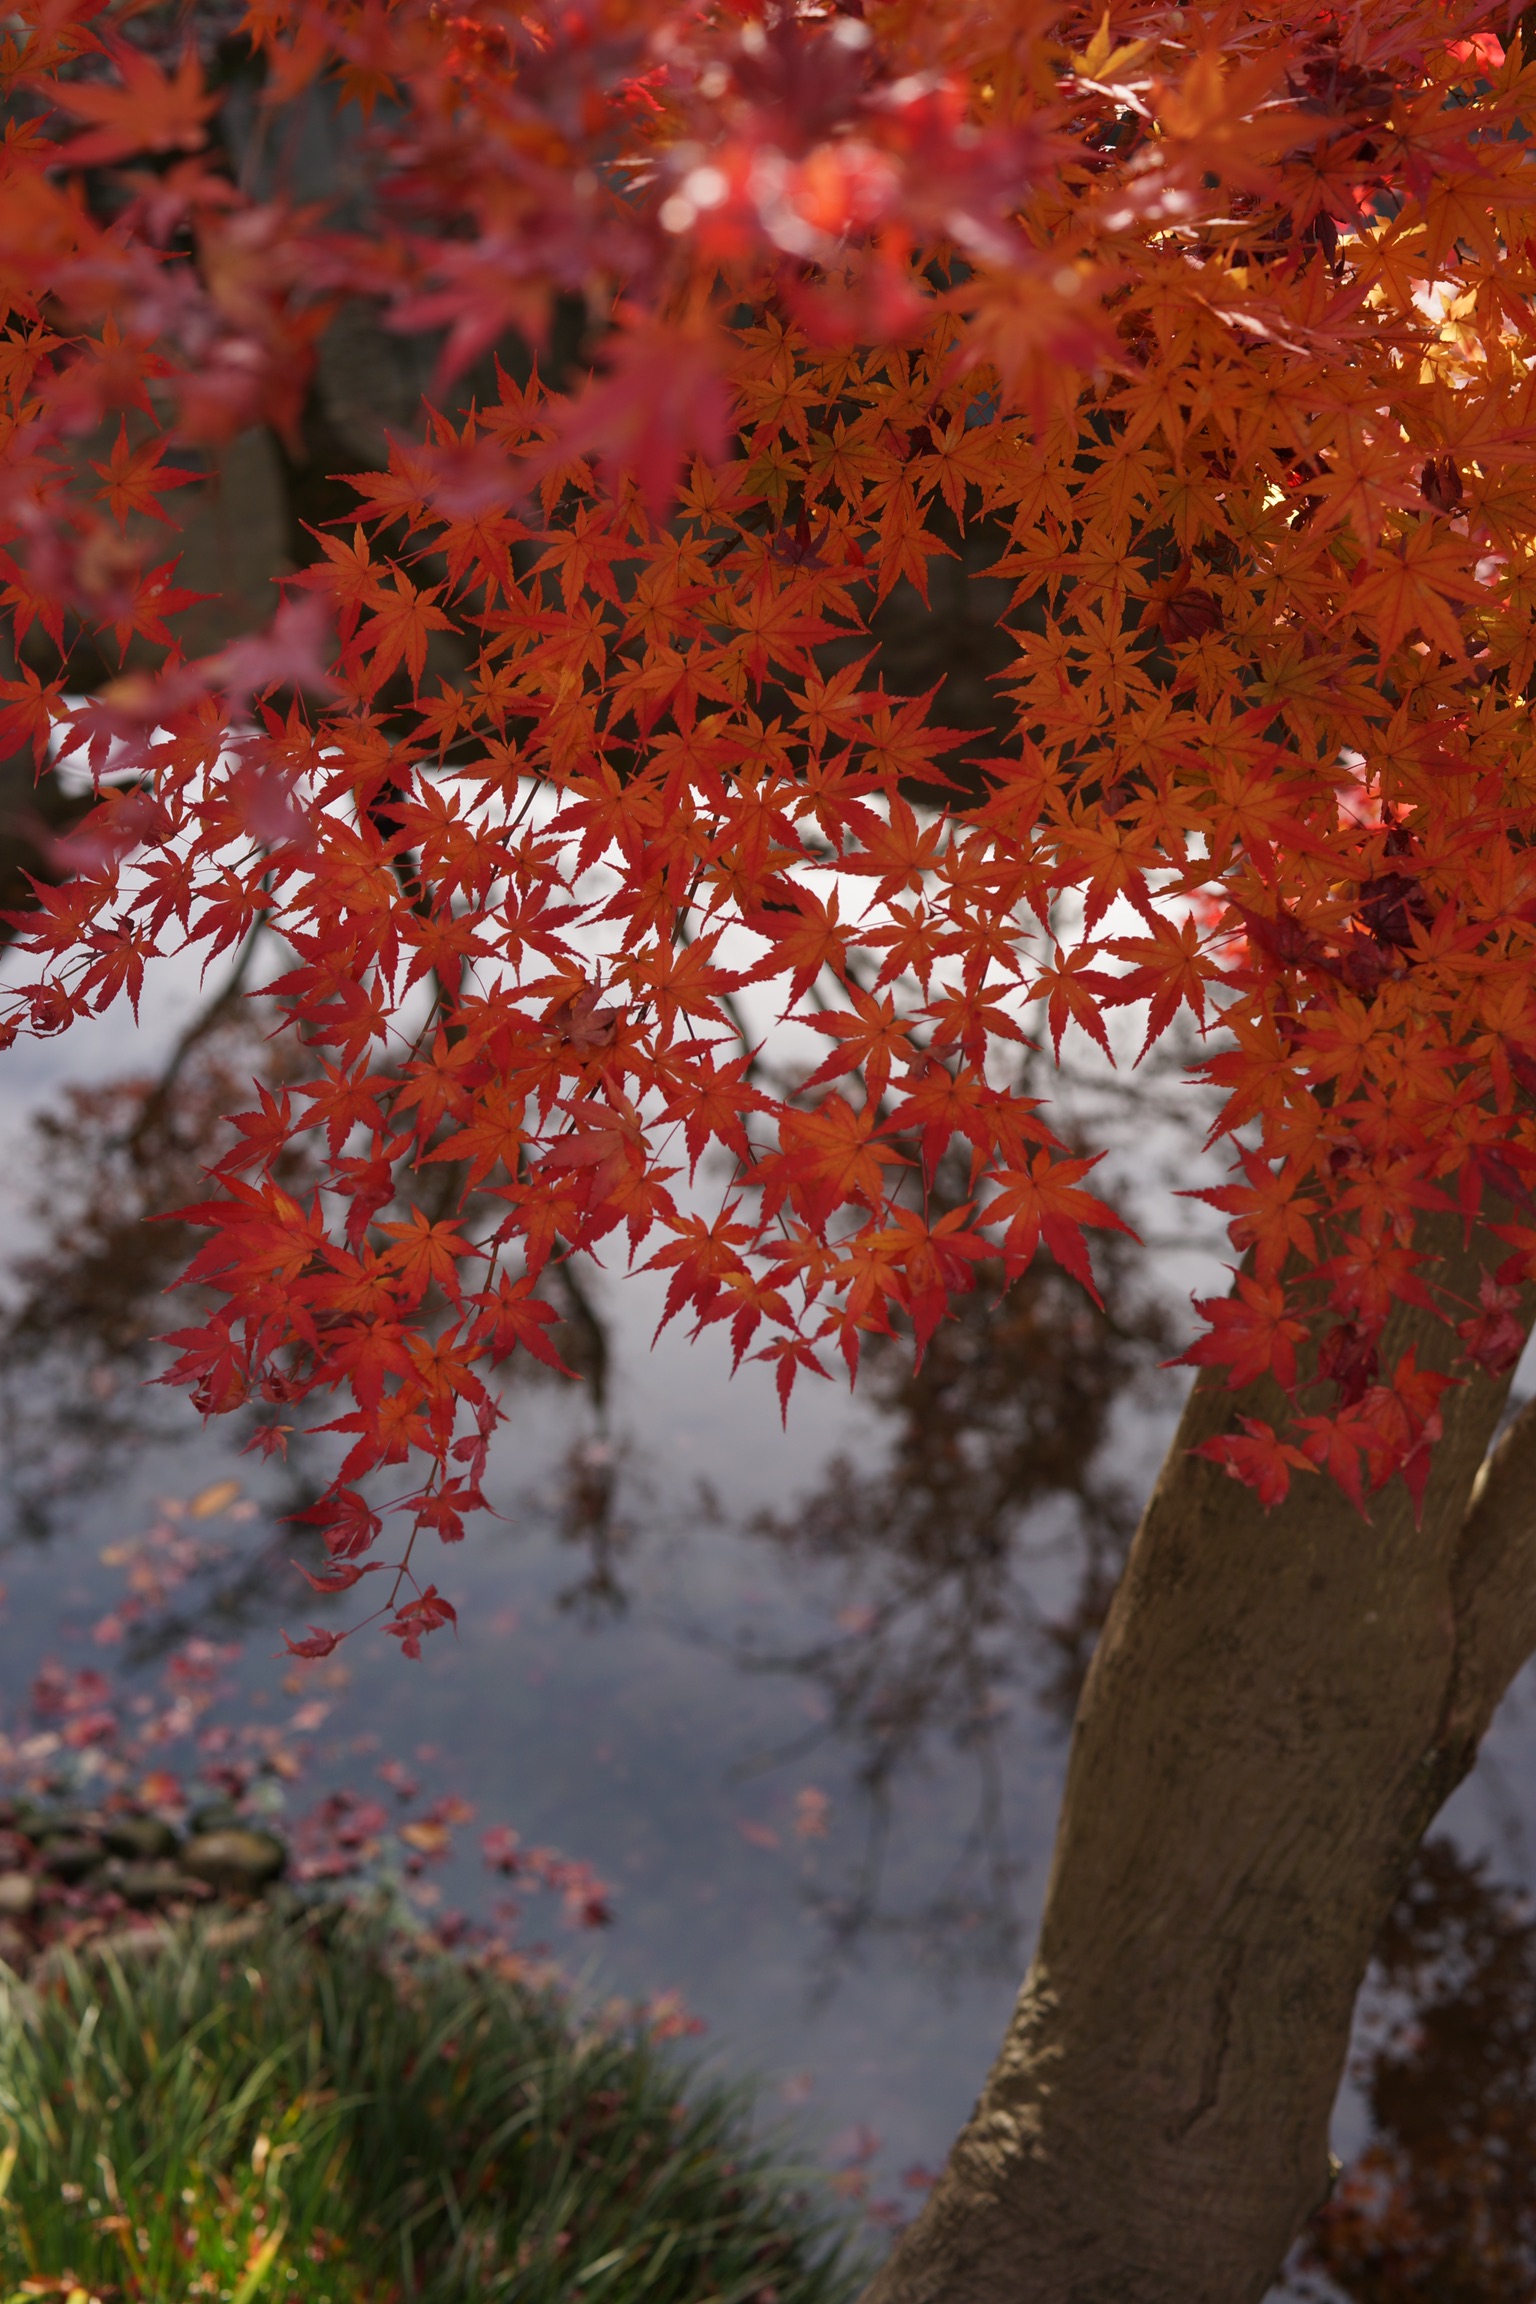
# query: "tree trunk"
1278 1705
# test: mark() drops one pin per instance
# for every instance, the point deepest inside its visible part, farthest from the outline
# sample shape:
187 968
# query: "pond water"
798 1696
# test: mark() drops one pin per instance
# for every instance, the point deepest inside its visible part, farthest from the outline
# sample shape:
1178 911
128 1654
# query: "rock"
235 1858
150 1880
18 1894
143 1839
218 1816
47 1823
69 1856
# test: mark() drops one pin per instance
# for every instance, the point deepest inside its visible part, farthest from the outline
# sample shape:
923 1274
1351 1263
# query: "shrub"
318 2110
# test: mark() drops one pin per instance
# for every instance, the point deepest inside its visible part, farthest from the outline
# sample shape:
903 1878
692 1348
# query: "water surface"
798 1696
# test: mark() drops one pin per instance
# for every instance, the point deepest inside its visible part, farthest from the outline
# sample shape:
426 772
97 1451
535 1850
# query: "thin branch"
206 1020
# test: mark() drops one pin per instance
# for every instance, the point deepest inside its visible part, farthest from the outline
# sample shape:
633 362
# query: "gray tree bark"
1279 1704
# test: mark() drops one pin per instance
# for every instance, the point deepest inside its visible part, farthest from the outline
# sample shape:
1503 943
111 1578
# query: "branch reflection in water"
978 1560
86 1303
83 1308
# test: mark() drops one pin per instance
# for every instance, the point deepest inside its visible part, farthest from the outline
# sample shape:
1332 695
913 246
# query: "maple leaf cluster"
565 755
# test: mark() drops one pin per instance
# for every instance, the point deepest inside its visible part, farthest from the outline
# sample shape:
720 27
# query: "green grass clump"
325 2117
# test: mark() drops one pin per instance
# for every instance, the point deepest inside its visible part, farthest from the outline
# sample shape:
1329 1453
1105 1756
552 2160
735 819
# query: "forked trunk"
1278 1706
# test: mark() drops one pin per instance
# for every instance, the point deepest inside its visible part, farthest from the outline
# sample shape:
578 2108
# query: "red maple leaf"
150 111
1252 1333
1257 1458
411 1623
1046 1200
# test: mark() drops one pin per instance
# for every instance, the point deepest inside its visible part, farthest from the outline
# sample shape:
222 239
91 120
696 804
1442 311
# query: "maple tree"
565 738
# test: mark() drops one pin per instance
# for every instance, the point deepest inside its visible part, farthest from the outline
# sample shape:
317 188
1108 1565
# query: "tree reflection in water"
972 1567
980 1557
590 1520
1441 2204
86 1302
83 1309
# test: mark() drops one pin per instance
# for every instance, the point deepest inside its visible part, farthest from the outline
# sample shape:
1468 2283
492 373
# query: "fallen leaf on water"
426 1837
812 1807
216 1498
